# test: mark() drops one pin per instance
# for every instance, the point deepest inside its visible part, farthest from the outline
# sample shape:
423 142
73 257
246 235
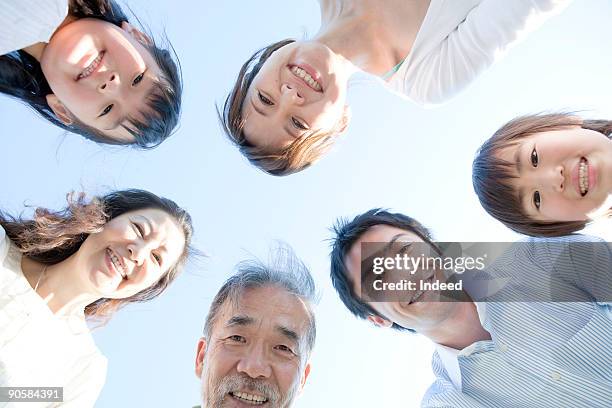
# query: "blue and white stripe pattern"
542 354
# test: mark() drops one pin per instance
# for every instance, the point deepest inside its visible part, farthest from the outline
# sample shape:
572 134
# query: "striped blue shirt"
541 354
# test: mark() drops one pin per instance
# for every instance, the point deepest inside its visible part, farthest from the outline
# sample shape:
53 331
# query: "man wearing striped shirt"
519 352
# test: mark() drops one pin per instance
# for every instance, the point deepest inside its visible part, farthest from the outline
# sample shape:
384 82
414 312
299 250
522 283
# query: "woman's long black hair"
21 77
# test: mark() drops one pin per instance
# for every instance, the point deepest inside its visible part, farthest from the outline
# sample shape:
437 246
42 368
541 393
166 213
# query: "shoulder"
87 380
51 11
5 244
25 22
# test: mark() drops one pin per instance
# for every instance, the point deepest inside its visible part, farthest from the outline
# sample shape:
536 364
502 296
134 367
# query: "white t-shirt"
459 39
27 22
40 349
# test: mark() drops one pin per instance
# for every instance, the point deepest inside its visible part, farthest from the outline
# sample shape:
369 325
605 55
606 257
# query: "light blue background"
395 155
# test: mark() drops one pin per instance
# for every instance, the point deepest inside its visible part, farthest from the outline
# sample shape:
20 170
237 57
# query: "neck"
460 329
60 286
374 35
353 30
38 49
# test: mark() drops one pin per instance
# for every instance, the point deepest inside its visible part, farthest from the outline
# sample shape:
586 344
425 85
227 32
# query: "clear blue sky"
395 155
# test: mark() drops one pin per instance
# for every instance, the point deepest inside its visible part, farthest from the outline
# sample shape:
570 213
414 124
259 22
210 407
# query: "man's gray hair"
284 269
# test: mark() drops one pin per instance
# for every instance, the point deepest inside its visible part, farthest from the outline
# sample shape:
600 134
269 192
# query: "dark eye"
264 100
137 80
107 110
534 158
284 348
138 229
298 124
157 258
404 249
536 199
236 338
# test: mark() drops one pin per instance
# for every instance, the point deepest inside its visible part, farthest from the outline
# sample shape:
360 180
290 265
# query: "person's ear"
200 353
305 376
379 321
59 110
136 34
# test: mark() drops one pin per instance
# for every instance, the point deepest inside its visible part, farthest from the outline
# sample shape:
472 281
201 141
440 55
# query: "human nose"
138 251
554 179
291 93
109 83
255 363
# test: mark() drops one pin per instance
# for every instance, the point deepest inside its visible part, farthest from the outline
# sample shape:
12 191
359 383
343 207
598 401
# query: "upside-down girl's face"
297 91
100 74
563 175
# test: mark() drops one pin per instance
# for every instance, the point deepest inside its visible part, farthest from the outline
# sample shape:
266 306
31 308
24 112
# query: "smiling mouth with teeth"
117 264
306 77
91 68
584 176
249 398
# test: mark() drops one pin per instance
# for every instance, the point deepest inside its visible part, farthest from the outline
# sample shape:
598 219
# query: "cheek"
561 209
288 377
79 101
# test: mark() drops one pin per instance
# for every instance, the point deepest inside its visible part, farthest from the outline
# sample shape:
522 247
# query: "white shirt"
459 39
27 22
40 349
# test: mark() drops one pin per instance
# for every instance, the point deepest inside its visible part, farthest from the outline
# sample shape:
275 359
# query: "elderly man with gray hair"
258 335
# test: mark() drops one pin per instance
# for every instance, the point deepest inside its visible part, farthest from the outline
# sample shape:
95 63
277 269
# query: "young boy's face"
563 175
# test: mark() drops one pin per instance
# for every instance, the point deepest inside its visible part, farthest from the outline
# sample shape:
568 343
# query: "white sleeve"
487 32
27 22
4 244
84 389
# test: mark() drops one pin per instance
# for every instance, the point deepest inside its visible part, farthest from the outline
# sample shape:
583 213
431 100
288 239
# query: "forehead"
380 234
269 307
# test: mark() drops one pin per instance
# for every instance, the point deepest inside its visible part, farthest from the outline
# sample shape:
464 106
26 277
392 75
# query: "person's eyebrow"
147 221
393 240
288 333
517 160
519 169
240 320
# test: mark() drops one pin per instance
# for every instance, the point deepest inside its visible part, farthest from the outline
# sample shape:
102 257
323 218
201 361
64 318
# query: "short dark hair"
300 154
284 270
22 78
491 176
346 235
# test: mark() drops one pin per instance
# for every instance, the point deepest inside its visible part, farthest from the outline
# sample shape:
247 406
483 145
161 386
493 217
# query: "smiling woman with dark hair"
289 101
61 269
83 67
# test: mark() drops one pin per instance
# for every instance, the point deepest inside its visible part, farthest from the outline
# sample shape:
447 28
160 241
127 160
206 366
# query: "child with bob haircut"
83 67
546 174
